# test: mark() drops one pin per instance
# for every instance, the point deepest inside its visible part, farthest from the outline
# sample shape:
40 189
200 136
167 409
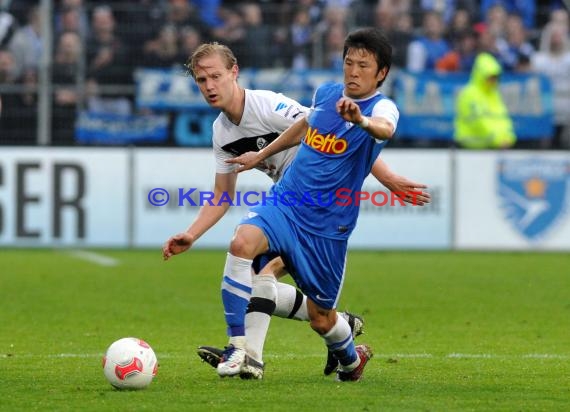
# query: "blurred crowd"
97 45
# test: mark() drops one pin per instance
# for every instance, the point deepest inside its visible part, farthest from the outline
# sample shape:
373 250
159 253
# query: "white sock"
236 291
290 303
258 316
340 343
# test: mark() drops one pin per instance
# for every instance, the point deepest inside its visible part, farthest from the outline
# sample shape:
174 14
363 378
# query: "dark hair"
374 41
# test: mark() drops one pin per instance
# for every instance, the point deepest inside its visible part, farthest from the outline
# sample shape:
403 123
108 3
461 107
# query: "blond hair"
207 49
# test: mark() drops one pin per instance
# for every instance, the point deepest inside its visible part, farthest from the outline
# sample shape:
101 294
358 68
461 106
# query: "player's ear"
382 73
235 70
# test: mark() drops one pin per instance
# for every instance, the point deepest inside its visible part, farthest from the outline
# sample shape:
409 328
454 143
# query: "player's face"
216 82
361 74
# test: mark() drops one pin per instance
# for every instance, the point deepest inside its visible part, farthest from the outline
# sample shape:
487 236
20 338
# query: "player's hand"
177 244
349 110
407 190
246 161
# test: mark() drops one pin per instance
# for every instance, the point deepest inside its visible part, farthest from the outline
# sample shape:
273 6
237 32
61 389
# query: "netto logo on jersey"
325 144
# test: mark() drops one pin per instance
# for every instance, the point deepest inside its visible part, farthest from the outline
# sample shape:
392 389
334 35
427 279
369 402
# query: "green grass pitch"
450 331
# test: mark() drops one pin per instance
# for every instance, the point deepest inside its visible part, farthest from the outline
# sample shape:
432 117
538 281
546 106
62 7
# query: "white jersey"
265 116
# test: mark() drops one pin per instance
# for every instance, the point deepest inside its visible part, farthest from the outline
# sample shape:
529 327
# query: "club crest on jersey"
533 193
261 143
329 144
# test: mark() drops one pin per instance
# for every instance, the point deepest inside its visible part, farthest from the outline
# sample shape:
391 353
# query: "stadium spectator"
424 51
26 44
164 50
301 39
401 35
524 8
448 8
486 40
66 96
182 13
461 22
495 20
334 44
334 15
553 60
8 26
462 57
262 55
18 120
8 73
395 7
482 120
361 12
107 64
190 39
72 16
209 12
140 23
558 17
514 49
9 121
232 32
20 9
107 54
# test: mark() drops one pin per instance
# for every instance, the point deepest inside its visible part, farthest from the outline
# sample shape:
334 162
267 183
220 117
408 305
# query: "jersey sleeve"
386 109
221 156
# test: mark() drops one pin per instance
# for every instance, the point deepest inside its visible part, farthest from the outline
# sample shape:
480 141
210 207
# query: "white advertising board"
515 200
180 171
90 197
408 227
63 197
158 172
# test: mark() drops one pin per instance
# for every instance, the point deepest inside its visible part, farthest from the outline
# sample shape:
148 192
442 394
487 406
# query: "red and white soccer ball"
130 363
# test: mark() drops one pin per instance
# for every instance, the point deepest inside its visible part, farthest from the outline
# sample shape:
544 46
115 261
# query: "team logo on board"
533 193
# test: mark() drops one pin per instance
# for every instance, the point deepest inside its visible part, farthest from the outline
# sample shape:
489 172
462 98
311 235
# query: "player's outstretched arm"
208 216
407 190
176 244
377 127
290 137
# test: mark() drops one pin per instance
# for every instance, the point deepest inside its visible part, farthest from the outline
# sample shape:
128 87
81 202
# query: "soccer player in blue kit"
345 131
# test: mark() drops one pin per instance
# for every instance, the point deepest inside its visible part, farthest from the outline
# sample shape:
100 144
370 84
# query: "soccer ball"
130 363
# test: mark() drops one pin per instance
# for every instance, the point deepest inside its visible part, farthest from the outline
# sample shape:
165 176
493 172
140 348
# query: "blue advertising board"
115 129
427 104
426 101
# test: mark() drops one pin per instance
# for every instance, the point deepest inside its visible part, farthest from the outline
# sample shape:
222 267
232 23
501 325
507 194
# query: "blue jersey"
319 188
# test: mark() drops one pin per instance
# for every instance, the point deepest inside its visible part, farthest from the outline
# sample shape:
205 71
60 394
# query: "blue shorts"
316 263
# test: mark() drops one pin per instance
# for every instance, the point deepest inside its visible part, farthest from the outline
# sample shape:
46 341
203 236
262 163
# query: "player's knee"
242 247
248 242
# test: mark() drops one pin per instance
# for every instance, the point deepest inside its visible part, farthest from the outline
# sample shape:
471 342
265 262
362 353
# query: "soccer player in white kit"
249 121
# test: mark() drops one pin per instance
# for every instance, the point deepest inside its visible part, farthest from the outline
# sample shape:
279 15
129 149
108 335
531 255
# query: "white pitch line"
319 355
93 257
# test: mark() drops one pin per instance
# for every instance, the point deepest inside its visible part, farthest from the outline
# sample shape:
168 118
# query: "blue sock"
236 292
